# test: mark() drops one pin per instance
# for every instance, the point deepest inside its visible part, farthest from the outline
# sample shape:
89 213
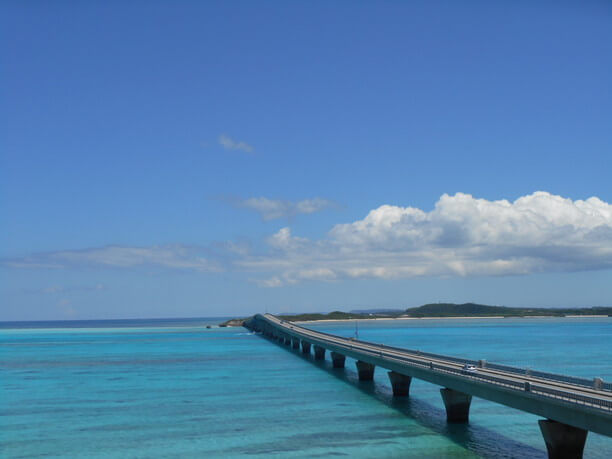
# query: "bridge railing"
487 378
515 385
571 397
425 354
582 382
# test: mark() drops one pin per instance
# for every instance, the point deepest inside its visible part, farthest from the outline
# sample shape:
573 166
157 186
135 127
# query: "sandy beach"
379 319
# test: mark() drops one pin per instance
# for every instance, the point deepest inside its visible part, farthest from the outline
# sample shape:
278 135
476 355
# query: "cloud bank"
230 144
271 209
60 290
461 236
168 256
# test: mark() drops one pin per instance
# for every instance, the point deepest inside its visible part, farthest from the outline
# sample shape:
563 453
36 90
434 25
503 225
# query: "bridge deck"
587 408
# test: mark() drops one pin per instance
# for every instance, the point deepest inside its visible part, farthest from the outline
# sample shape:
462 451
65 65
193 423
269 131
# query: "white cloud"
230 144
59 289
284 241
271 282
169 256
271 209
462 236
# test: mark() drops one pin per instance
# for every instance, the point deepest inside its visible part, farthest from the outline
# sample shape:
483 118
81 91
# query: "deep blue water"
172 388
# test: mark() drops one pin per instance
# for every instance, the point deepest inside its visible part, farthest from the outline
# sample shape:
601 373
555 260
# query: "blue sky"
163 159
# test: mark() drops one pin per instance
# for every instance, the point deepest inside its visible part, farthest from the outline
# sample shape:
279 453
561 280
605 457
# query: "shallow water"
173 389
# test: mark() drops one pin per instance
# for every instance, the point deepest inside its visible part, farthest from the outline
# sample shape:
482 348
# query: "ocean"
174 388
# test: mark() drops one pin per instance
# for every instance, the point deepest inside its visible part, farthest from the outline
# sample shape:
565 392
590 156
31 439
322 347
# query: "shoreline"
372 319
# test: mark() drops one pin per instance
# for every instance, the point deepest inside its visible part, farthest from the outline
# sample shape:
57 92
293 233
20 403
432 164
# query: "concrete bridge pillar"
287 340
305 347
319 353
400 384
365 370
562 441
338 360
295 343
457 405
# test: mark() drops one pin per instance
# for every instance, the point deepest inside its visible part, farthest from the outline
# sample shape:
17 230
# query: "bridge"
571 406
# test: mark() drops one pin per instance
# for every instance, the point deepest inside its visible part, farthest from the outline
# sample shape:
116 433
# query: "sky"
198 159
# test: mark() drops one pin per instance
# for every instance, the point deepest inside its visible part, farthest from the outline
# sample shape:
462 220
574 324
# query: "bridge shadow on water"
475 438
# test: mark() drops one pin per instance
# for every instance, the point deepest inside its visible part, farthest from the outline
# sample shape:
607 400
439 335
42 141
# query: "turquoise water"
176 389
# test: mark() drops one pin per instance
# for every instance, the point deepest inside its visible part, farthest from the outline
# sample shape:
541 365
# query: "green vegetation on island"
454 310
477 310
442 310
335 315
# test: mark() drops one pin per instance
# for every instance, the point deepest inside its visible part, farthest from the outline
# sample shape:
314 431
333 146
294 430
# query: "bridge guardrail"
426 354
534 388
516 385
576 398
583 382
520 386
516 370
421 353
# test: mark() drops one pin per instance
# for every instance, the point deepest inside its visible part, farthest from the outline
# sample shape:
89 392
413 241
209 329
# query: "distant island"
442 310
479 310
